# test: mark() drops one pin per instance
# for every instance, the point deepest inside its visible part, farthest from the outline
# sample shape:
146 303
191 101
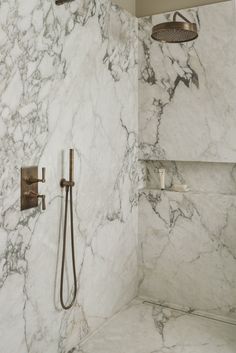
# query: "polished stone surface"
145 328
69 79
187 91
188 250
66 73
187 125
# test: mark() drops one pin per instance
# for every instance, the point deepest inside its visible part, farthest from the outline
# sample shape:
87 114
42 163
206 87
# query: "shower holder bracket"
29 173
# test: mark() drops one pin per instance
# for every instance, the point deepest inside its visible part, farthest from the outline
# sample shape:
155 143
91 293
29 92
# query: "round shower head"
175 32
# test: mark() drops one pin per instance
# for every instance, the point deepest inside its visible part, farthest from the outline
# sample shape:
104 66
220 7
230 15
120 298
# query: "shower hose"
68 306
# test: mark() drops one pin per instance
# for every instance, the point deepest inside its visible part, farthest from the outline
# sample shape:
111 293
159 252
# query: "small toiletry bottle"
162 174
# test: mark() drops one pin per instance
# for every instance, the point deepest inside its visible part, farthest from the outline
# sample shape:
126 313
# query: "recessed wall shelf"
201 177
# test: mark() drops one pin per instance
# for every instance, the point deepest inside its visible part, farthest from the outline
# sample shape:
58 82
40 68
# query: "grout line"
190 313
106 322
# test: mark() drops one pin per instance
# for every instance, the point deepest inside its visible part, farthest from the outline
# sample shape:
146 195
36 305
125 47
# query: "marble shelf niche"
201 177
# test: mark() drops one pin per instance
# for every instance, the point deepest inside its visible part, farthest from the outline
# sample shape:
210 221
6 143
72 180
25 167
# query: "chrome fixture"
175 31
68 185
29 188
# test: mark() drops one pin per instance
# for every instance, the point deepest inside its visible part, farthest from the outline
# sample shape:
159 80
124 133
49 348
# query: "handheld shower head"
71 171
68 185
175 31
62 2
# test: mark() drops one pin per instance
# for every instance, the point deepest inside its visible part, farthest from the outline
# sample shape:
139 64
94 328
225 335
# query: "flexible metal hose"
65 306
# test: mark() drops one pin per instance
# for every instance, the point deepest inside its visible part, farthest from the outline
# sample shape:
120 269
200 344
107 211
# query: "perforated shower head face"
175 32
62 2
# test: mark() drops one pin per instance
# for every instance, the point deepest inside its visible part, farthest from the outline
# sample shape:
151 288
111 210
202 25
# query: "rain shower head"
175 32
62 2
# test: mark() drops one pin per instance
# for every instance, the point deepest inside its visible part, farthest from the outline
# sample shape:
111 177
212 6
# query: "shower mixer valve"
29 188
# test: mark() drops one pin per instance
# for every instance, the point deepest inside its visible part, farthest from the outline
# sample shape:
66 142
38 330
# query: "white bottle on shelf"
162 173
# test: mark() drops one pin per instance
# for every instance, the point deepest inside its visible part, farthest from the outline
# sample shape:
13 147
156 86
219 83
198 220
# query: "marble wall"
187 92
187 126
188 249
68 79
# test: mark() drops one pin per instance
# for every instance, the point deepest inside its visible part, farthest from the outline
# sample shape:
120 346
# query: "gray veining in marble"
187 91
143 328
188 250
66 73
69 79
186 121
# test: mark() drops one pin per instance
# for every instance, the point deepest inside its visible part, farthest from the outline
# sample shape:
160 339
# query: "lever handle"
43 197
32 194
43 180
43 202
31 180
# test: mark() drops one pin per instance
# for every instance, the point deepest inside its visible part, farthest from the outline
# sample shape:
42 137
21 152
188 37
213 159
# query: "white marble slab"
187 91
68 80
188 250
151 329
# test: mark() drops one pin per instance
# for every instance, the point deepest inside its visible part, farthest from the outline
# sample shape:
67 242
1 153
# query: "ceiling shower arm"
177 13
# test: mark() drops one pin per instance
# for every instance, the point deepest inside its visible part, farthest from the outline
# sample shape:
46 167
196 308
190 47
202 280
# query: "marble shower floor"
143 328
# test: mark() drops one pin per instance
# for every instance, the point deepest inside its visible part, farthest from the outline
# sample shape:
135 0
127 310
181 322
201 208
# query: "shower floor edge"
190 311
